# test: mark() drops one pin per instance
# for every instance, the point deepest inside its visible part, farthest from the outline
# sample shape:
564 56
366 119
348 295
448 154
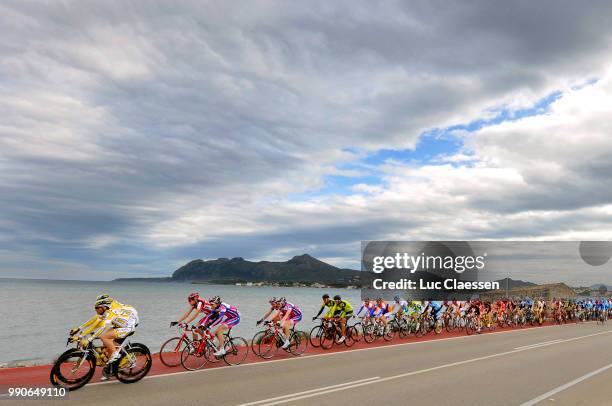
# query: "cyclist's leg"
108 339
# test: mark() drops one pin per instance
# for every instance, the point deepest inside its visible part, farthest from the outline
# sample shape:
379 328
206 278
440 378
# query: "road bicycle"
199 352
332 334
473 324
376 330
399 325
75 367
267 342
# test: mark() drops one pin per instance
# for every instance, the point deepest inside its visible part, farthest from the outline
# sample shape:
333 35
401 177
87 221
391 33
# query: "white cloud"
133 128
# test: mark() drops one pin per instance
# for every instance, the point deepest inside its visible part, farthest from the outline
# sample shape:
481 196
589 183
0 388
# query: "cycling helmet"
272 300
102 296
325 296
337 297
281 300
396 298
193 296
366 299
215 300
105 302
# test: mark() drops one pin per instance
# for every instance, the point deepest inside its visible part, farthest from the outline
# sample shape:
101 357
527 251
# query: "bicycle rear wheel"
299 343
359 332
135 364
389 332
352 336
236 350
170 351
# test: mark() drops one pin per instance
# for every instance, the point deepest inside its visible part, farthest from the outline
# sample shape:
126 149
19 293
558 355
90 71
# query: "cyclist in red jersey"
197 306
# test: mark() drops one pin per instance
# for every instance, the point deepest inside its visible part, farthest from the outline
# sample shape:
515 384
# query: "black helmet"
325 296
337 297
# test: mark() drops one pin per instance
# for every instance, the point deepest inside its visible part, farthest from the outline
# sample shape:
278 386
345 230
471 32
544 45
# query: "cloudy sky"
136 136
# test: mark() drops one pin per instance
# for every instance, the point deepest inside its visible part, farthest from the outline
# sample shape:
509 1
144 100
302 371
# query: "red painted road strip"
38 376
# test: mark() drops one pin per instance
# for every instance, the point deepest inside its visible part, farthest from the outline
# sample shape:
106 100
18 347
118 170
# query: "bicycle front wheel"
267 347
170 351
72 370
328 337
315 336
193 357
236 350
135 364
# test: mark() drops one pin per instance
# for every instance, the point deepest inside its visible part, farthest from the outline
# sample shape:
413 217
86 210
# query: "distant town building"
548 292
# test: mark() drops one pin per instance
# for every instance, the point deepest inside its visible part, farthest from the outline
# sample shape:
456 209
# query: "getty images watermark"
461 270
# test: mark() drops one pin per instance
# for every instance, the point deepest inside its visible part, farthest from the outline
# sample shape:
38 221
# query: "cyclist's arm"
321 310
331 312
93 326
93 321
192 318
106 325
286 316
187 313
268 313
360 309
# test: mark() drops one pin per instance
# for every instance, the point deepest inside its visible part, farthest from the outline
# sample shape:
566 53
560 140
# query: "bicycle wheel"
299 343
315 336
403 329
470 327
193 357
236 350
328 337
135 364
369 333
268 346
389 332
438 326
73 369
170 351
256 340
358 330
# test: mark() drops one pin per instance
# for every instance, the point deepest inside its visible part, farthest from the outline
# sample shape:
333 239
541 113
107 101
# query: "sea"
37 314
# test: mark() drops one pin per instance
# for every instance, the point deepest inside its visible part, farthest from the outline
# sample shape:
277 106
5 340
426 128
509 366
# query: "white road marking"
346 384
565 386
538 344
298 396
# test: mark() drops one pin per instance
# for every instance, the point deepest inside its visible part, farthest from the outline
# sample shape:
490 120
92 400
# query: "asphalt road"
558 365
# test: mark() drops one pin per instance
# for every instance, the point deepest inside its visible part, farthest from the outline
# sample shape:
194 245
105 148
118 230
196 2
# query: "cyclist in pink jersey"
223 317
290 315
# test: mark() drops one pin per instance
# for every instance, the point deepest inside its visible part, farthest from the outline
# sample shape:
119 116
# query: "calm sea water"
36 315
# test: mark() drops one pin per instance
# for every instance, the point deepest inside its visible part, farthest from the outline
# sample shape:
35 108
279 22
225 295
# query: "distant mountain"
302 268
512 283
596 286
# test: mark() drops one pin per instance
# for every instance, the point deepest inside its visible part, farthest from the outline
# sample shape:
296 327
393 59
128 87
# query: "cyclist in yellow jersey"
95 322
114 320
327 302
342 311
